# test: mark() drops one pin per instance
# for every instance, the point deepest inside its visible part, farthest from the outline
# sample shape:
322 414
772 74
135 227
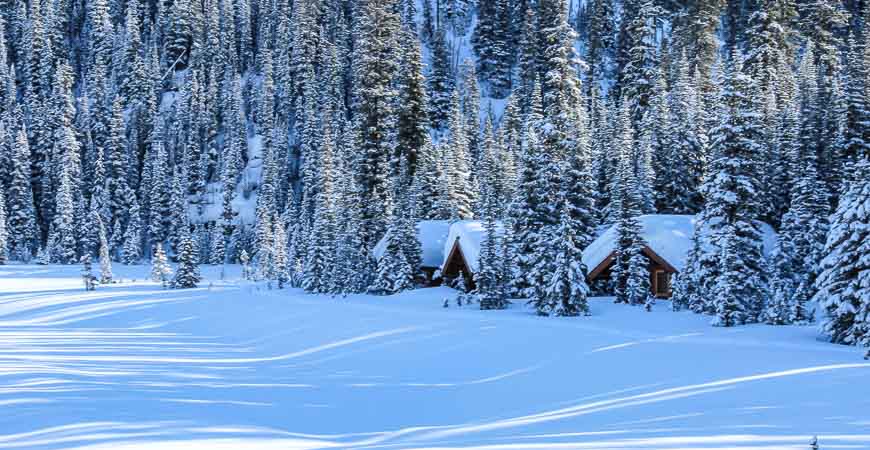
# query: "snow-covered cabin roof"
470 234
432 235
669 236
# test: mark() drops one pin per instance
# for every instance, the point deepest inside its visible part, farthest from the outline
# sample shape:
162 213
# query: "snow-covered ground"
235 366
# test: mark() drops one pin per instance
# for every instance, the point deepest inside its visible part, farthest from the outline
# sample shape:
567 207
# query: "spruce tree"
567 290
133 236
63 234
105 260
843 288
731 309
638 77
488 279
412 121
732 209
681 149
374 69
280 255
441 82
160 270
4 234
87 272
630 272
458 173
187 276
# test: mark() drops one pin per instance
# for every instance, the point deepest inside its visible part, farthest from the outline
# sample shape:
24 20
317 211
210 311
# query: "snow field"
234 365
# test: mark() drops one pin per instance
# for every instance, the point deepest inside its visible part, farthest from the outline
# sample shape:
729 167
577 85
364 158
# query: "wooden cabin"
461 252
668 240
431 234
660 273
456 265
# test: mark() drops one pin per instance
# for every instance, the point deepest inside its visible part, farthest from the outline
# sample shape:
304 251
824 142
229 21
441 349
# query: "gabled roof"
470 234
432 235
669 236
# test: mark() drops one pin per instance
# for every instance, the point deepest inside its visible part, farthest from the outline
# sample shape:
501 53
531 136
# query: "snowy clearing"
234 366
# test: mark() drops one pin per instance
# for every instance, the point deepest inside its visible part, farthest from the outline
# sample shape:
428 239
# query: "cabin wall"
603 284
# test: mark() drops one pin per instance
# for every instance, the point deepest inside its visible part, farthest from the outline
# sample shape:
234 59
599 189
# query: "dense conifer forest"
293 135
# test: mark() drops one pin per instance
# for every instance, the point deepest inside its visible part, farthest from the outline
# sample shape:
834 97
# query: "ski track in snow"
233 365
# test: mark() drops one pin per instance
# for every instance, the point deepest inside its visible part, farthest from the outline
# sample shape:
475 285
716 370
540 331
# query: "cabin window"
663 284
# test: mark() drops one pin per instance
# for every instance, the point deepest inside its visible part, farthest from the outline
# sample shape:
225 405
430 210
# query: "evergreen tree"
458 171
87 273
843 291
280 254
4 234
394 274
680 148
529 213
731 309
375 68
133 236
63 232
105 260
630 272
412 121
567 289
491 42
441 83
488 278
639 73
160 270
187 276
601 31
732 209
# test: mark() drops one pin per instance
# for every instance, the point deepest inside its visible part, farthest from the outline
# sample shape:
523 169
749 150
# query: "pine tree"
529 213
64 240
133 236
458 172
105 260
491 42
441 82
843 288
280 254
801 237
87 273
374 69
160 207
731 309
681 150
639 74
855 126
567 289
601 31
428 188
470 101
218 251
187 276
489 279
412 121
732 209
630 267
247 271
394 274
160 270
4 234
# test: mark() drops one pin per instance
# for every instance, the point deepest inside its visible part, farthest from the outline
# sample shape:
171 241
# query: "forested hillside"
297 133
